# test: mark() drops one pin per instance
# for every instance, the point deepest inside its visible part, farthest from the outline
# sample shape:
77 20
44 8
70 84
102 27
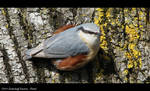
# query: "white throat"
91 39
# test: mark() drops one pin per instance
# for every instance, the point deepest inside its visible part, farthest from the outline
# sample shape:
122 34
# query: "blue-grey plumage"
27 56
66 45
35 52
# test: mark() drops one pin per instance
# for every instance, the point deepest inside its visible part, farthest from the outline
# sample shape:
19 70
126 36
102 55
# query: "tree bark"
124 56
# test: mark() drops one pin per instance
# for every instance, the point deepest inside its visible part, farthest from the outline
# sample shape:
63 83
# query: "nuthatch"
70 47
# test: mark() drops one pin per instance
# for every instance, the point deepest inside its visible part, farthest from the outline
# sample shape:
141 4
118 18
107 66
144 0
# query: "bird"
70 47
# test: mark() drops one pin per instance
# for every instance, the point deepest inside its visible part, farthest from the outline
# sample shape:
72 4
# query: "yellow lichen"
140 62
99 9
130 64
126 79
132 34
132 31
125 72
97 20
133 9
108 12
99 75
132 27
128 55
6 25
3 12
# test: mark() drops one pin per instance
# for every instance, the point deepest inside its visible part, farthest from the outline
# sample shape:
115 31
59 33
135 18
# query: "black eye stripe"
81 28
86 31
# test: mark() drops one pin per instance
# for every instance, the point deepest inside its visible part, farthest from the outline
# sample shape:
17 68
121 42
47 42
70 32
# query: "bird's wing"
65 44
37 52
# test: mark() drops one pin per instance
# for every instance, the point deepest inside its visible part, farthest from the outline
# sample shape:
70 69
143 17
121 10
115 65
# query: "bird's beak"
99 34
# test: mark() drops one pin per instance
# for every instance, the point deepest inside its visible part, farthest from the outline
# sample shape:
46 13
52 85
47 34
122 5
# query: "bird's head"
89 28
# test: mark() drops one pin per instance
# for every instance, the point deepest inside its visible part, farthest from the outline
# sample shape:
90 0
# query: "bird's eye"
81 28
86 31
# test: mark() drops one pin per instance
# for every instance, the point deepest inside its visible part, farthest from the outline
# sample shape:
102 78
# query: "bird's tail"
36 52
27 54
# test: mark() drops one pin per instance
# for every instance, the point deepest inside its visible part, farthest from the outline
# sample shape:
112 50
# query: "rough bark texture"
124 55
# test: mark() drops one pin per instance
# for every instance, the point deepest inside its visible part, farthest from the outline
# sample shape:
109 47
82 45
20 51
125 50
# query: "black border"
47 87
74 3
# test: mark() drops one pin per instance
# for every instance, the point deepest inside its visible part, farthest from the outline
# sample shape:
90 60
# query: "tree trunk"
124 55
